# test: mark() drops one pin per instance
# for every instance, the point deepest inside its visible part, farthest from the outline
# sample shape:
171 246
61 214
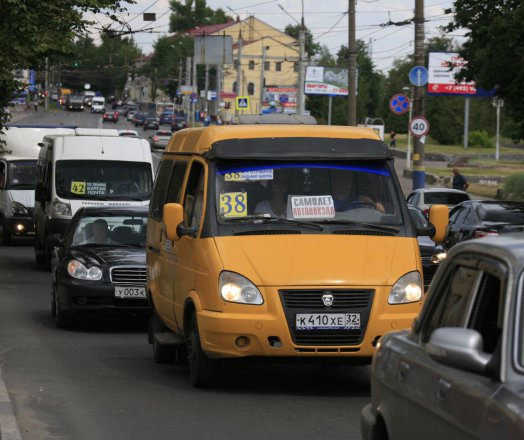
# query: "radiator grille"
310 301
132 275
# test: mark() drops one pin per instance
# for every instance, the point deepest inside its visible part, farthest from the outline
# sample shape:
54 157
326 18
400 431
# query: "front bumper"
20 226
269 331
368 424
97 296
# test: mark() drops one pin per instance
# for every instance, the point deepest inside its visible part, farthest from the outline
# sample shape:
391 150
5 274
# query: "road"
99 380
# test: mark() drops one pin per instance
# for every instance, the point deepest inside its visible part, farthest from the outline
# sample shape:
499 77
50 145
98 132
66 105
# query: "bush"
513 187
480 139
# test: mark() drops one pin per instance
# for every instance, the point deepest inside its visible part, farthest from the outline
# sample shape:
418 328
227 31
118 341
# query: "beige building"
269 59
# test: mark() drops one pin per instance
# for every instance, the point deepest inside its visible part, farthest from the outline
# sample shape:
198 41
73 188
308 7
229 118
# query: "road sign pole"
419 171
408 154
330 106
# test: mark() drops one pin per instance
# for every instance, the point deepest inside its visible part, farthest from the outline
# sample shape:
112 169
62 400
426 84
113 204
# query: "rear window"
444 198
502 213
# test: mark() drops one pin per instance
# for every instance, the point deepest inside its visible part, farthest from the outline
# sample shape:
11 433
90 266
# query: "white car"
423 198
130 133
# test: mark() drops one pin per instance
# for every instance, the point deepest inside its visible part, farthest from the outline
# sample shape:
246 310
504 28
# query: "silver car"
459 372
424 198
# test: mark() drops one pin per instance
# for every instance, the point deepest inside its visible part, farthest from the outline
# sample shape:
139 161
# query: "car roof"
440 190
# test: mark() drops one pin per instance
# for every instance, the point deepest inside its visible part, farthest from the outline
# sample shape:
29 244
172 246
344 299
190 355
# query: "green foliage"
513 186
494 48
188 14
312 48
31 30
480 139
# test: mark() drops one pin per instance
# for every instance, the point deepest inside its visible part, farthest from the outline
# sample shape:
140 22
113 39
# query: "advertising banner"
442 69
326 81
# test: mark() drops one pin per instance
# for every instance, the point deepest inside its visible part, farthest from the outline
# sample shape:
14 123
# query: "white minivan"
93 167
18 153
98 104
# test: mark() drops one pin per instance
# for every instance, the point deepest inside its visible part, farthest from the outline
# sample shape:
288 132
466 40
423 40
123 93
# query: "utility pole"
195 91
262 68
419 171
301 66
187 98
352 66
206 87
238 90
46 99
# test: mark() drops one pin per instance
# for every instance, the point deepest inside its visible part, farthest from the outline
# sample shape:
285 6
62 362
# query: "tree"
188 14
31 31
311 47
493 48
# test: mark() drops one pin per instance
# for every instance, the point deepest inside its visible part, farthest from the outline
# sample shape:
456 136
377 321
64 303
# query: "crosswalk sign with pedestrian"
242 103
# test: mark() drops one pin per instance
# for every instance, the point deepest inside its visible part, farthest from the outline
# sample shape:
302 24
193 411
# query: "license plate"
130 292
327 321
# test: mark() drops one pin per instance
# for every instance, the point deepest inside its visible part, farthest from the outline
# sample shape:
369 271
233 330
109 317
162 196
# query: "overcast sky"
326 19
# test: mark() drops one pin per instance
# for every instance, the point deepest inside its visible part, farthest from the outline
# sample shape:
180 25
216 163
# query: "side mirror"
458 347
439 218
41 194
173 214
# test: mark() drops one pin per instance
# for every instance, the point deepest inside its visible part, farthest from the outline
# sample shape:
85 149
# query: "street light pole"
498 103
408 152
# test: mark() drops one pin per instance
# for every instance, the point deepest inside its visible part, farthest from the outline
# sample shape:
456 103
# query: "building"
269 65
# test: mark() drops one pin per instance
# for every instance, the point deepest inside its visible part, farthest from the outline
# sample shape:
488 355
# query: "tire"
48 255
204 372
7 237
53 303
63 319
39 256
162 354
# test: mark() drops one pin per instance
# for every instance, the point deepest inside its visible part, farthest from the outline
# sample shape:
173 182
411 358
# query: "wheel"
6 235
203 371
62 319
39 256
48 255
53 302
162 354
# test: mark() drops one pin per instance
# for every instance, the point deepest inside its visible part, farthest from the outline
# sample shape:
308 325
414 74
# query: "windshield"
103 180
319 192
111 230
22 174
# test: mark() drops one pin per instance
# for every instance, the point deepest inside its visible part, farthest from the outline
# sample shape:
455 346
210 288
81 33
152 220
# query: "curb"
8 425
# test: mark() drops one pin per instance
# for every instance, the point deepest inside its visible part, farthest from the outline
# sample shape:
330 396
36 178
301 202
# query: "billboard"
442 69
326 81
213 49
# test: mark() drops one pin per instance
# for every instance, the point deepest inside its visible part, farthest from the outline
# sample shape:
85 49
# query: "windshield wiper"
265 219
367 225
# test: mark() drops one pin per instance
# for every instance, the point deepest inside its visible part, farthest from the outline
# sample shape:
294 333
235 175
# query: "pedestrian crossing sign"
242 103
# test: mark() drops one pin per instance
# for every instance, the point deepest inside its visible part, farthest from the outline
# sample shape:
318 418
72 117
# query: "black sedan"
151 124
432 254
178 123
483 218
111 116
100 264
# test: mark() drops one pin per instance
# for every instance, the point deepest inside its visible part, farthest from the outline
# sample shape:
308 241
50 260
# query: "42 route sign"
419 126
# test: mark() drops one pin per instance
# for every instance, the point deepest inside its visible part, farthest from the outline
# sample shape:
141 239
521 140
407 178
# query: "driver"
345 196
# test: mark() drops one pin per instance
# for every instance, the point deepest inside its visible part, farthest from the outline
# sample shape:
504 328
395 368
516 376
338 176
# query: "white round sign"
419 126
87 86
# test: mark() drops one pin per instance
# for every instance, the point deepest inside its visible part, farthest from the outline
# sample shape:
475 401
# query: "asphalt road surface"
99 380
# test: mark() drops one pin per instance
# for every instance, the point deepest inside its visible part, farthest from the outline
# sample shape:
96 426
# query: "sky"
327 20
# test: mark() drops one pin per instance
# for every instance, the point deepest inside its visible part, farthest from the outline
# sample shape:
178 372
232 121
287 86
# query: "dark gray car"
459 373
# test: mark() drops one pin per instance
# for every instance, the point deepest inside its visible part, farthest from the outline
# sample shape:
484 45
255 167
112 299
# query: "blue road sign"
399 104
418 76
283 98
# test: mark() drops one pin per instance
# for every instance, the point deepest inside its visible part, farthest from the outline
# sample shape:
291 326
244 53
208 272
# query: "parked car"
139 118
130 115
130 133
459 372
178 123
432 254
423 198
100 264
166 118
151 123
110 116
159 139
482 218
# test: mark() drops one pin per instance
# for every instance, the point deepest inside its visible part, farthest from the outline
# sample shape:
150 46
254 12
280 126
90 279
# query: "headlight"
437 258
79 271
407 289
61 208
18 208
236 288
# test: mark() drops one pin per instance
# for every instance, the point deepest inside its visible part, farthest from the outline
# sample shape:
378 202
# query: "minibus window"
22 174
306 191
103 180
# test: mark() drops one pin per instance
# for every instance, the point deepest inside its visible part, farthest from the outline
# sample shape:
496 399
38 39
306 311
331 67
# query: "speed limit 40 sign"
419 126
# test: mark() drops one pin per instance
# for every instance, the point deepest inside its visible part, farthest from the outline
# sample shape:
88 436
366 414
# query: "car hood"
109 256
319 260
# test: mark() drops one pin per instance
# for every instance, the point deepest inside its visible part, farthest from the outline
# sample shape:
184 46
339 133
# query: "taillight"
426 212
155 138
481 234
